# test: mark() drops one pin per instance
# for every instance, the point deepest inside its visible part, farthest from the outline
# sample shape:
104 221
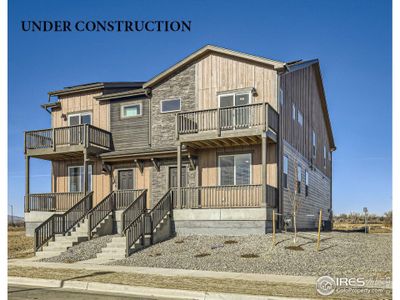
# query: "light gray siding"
319 191
133 132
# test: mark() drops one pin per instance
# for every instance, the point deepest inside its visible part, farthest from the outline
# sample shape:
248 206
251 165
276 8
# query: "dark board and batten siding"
301 88
133 132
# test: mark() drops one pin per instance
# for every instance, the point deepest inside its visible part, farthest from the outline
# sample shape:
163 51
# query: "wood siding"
218 73
140 180
133 132
301 89
100 181
82 102
208 164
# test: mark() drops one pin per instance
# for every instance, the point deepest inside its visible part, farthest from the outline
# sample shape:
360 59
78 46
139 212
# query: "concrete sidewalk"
272 278
138 291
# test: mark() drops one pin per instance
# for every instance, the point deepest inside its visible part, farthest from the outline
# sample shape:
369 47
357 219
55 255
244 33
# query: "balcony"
57 202
227 126
234 196
67 142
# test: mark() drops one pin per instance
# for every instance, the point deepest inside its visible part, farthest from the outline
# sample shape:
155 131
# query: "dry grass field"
19 246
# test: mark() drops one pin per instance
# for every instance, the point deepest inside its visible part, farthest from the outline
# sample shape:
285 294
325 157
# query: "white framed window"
293 112
131 110
324 156
79 118
234 169
285 171
170 105
330 155
307 183
281 96
76 178
300 117
314 144
230 99
299 179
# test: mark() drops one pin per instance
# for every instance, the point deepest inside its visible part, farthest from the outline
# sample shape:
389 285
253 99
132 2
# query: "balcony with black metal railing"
68 141
237 124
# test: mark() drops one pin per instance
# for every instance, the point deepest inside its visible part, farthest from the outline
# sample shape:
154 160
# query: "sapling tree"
295 199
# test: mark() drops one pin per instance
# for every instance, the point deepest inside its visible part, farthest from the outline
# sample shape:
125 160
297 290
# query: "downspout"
148 94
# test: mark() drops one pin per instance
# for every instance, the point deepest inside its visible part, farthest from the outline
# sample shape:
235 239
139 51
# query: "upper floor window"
324 156
281 96
307 183
80 118
131 110
294 112
234 169
170 105
285 171
234 99
329 155
300 117
298 179
314 144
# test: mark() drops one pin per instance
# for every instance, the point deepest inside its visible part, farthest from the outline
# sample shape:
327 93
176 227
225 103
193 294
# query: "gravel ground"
341 254
82 251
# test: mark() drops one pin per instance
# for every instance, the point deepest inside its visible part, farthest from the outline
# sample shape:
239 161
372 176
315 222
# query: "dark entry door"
125 179
173 182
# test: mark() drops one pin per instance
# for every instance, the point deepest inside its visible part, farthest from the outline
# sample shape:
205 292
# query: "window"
234 99
234 169
131 110
324 156
307 183
294 112
77 179
285 171
80 118
170 105
300 117
281 96
314 144
329 155
298 179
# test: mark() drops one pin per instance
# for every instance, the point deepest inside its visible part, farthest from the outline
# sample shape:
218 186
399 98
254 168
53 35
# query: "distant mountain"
17 219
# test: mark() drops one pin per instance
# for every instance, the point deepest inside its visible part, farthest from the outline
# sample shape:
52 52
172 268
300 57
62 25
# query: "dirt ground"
19 246
186 283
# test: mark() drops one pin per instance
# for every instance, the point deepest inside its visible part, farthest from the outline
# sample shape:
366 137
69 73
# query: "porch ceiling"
224 142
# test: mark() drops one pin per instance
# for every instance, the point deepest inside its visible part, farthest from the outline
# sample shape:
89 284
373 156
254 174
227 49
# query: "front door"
125 179
173 181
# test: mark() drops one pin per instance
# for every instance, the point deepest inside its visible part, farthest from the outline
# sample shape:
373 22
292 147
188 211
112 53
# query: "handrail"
134 231
227 118
52 201
160 210
62 223
136 208
100 212
83 134
124 198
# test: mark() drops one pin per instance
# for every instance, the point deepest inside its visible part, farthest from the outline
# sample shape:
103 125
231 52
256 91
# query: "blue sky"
352 39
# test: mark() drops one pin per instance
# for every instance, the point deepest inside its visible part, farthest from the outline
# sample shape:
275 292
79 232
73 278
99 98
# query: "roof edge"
207 49
93 87
125 94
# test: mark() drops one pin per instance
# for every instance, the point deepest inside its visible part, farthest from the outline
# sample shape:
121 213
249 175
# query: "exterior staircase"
78 234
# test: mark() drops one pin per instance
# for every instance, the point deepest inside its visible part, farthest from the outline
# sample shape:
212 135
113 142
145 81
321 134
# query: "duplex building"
217 141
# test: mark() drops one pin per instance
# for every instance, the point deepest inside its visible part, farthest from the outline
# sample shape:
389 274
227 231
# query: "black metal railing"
132 211
100 212
62 223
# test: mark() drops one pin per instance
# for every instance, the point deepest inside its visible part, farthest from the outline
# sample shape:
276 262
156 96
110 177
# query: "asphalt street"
39 293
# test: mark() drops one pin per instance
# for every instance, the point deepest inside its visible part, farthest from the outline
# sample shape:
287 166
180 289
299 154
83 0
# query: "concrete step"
43 254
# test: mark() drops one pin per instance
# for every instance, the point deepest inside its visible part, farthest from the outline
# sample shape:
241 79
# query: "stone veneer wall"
180 85
159 179
319 191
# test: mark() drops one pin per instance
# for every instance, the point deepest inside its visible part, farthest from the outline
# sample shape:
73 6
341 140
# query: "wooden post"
218 122
273 227
264 112
53 138
176 127
319 229
179 176
264 169
27 185
85 173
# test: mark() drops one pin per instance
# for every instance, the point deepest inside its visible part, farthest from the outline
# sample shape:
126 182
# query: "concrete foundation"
227 221
34 218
